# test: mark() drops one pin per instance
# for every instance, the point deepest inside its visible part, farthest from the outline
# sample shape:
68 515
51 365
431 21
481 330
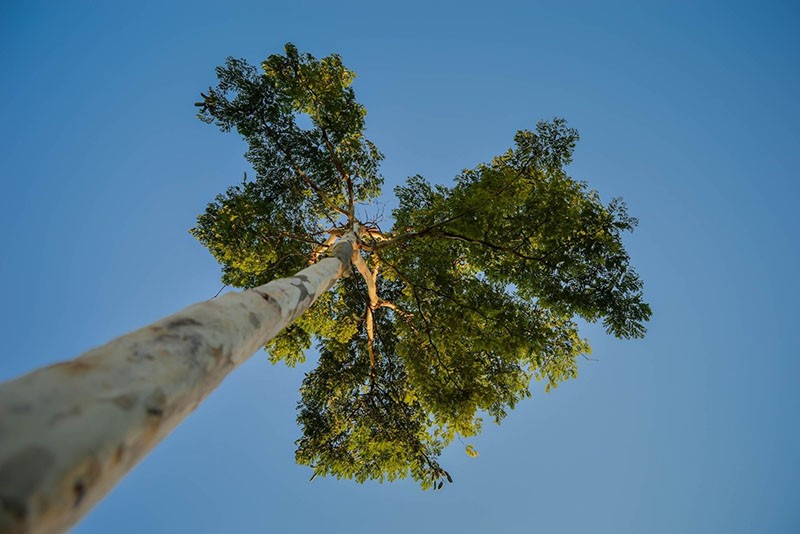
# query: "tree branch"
369 278
340 167
332 153
487 244
428 328
392 306
299 172
322 247
374 300
416 233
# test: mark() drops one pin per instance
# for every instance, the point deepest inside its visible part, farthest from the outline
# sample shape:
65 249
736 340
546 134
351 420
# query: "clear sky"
688 110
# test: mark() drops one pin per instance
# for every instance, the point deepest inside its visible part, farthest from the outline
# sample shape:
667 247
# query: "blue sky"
688 110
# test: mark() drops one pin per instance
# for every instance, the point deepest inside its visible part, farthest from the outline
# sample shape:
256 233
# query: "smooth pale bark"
70 431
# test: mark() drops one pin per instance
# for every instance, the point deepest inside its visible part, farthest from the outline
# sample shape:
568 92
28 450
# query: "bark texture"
70 431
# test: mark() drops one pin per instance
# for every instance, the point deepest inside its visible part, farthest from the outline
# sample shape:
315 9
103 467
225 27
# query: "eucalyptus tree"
448 313
422 327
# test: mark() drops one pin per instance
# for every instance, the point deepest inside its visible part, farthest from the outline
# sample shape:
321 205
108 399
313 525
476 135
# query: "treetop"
471 293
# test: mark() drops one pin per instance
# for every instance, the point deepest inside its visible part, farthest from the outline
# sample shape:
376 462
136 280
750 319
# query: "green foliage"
361 423
478 284
522 221
267 228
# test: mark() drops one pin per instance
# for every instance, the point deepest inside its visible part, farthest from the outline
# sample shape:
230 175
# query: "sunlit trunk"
70 431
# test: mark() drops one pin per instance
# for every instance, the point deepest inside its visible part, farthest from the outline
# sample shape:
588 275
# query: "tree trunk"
70 431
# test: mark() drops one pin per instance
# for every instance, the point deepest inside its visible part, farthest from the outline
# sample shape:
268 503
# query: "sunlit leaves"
472 346
258 231
523 222
364 423
304 173
479 284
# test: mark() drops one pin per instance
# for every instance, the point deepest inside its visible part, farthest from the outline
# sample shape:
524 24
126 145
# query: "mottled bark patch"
138 356
254 320
78 490
119 452
343 251
183 321
155 403
216 353
301 285
20 409
15 509
72 412
262 295
21 475
126 401
196 341
72 367
192 343
90 474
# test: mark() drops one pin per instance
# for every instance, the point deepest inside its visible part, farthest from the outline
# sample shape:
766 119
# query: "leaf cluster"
471 295
306 179
361 422
520 221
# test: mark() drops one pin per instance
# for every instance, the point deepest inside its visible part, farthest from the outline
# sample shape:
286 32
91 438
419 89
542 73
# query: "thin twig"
218 292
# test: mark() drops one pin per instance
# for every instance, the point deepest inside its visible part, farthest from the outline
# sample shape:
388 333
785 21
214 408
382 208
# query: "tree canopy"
450 313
